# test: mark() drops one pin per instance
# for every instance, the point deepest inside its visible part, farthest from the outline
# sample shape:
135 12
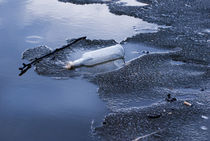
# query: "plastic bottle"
99 56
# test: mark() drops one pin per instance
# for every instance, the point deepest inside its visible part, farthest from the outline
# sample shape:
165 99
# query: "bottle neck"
78 62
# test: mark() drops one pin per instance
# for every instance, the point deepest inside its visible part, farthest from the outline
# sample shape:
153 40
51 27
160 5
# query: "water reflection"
34 39
66 20
131 3
0 23
1 1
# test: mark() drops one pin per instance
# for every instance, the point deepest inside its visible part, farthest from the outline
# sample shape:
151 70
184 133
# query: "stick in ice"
26 67
99 56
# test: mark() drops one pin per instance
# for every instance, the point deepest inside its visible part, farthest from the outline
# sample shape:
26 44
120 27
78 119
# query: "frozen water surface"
40 108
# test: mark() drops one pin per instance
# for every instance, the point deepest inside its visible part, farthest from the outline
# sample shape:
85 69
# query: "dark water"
34 107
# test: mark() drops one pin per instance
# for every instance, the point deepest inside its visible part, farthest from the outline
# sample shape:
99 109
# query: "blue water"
37 108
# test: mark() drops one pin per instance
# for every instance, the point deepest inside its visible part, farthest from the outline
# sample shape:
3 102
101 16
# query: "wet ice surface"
163 119
149 78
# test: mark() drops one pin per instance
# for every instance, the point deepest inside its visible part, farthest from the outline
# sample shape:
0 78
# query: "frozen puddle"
67 20
131 3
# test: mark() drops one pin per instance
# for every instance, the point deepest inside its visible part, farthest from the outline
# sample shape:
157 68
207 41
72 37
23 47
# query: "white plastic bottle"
99 56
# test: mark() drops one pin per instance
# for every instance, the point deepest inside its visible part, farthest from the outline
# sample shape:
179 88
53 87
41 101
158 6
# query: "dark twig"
26 67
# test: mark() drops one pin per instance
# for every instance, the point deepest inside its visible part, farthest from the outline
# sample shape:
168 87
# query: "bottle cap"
69 65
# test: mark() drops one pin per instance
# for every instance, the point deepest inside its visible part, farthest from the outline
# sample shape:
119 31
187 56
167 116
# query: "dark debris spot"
170 99
153 116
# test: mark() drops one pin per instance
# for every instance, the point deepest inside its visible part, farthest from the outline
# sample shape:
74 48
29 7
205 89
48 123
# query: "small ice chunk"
199 103
204 128
204 117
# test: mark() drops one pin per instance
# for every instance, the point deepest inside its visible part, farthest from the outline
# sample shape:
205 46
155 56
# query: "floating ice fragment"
204 117
204 128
